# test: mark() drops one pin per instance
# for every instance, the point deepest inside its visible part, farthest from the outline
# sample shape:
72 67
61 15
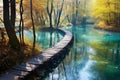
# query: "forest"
19 16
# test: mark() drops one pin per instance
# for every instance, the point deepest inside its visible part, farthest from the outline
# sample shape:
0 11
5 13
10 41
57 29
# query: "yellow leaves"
101 23
84 15
38 8
37 4
102 9
17 1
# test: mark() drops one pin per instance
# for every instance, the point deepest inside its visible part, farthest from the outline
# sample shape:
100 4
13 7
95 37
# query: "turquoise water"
45 39
95 55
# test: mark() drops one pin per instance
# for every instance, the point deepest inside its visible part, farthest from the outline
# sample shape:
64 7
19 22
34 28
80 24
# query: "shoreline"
107 28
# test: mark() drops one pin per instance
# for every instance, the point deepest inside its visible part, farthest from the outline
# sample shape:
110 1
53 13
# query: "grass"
10 58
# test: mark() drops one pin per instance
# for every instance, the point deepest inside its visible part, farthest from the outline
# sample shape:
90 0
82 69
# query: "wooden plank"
13 75
26 67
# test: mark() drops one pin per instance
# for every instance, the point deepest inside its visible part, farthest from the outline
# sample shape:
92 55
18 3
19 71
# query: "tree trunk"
13 41
73 14
34 36
49 11
21 25
50 17
59 14
13 12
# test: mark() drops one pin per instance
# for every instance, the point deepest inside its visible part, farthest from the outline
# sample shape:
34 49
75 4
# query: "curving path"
48 58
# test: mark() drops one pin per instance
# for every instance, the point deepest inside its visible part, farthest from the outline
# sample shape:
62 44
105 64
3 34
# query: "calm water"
45 39
95 55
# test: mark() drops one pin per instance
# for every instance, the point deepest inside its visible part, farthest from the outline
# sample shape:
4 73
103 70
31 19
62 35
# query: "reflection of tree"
48 38
59 73
58 37
51 36
77 54
115 53
107 58
79 43
64 69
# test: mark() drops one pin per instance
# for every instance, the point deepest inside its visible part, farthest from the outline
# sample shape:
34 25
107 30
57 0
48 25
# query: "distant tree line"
107 11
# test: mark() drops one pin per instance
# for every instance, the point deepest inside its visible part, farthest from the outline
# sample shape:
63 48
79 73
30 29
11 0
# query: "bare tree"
21 25
31 11
58 13
75 6
50 11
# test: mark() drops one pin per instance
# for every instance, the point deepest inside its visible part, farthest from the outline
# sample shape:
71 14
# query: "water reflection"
48 38
95 55
45 38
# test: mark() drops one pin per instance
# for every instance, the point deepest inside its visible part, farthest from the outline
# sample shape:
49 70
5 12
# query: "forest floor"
10 58
112 28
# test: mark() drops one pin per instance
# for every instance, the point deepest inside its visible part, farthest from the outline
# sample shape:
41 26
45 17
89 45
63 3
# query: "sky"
0 2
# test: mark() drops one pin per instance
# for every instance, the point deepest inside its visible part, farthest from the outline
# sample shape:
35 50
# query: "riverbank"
112 28
10 58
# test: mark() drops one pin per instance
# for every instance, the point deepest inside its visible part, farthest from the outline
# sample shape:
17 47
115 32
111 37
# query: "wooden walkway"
26 68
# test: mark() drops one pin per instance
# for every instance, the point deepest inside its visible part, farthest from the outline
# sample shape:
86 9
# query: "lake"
95 55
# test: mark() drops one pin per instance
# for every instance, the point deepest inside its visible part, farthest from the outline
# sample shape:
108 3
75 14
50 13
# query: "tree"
13 12
58 12
107 11
39 12
50 11
9 24
21 25
73 11
34 36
